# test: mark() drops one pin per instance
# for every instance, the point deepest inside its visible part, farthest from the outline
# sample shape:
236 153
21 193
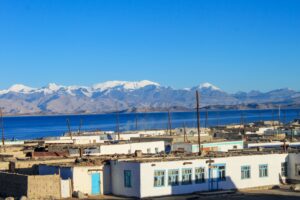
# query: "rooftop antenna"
2 127
69 129
169 122
80 125
198 121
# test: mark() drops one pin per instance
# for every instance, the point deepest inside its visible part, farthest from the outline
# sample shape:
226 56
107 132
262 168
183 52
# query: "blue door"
213 178
95 183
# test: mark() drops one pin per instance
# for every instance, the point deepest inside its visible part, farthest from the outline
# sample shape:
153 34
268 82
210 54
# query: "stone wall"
41 187
34 187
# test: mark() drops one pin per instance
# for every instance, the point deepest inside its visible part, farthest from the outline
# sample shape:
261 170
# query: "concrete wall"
144 172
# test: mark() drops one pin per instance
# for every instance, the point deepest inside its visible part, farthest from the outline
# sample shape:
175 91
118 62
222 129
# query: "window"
186 176
127 178
263 171
156 149
245 172
284 169
159 178
173 177
148 150
297 167
200 175
129 151
221 173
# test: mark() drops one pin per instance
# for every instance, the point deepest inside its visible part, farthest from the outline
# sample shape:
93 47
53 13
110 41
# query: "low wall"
34 187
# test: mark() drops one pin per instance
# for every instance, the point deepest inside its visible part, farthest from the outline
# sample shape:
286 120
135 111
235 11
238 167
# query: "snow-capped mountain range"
130 96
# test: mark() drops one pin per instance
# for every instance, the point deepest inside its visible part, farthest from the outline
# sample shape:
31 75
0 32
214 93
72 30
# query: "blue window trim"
221 165
157 186
205 175
178 176
130 183
249 172
262 165
189 183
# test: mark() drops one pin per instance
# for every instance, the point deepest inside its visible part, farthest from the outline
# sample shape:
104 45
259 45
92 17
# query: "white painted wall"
145 173
117 178
127 148
220 146
294 159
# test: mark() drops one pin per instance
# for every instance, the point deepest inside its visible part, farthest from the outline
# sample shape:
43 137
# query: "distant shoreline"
139 112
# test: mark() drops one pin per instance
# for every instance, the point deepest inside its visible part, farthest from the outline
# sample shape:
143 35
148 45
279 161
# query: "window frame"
127 179
162 177
190 175
173 175
245 171
265 172
200 174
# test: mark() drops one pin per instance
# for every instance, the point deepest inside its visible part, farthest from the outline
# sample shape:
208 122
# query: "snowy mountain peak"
19 88
54 86
208 86
127 85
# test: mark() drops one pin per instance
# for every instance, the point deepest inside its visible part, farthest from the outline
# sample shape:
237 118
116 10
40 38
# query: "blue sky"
236 45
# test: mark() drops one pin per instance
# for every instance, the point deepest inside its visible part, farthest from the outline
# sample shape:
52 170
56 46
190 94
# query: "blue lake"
29 127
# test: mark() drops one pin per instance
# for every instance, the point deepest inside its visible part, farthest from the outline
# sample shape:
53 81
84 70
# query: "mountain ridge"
133 96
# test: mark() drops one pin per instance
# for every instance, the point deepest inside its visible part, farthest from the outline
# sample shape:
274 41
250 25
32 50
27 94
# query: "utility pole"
273 120
2 127
206 118
218 118
136 121
80 125
169 123
70 132
117 124
198 121
279 113
184 133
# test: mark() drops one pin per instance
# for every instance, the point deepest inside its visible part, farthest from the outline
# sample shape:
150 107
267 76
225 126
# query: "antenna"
68 124
198 121
2 127
169 122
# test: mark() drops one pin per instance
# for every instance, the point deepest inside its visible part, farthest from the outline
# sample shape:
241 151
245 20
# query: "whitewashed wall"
294 159
145 173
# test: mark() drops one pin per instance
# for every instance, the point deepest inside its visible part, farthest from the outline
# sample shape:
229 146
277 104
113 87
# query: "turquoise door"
95 183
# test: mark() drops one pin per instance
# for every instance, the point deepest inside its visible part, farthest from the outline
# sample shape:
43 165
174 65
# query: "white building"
223 146
158 177
123 148
150 176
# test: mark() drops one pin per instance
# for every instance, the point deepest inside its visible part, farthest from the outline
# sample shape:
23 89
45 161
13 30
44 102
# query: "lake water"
29 127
